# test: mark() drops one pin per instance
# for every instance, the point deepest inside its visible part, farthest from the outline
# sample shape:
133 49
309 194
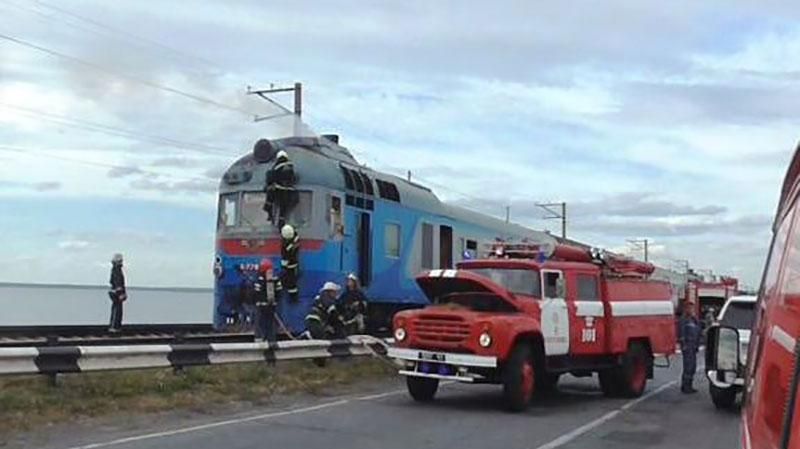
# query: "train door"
365 249
356 252
445 247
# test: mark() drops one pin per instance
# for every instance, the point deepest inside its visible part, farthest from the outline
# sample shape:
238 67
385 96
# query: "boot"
688 389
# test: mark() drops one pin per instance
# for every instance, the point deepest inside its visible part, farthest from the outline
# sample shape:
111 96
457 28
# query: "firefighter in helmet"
265 290
324 320
353 306
690 340
280 189
116 293
290 261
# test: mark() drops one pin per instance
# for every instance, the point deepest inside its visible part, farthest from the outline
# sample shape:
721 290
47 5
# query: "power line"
128 35
117 74
132 168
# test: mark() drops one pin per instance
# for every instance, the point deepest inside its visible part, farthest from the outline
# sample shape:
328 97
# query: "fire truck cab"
529 315
771 412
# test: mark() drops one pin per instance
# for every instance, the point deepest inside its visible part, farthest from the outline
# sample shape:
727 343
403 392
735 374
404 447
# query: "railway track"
36 336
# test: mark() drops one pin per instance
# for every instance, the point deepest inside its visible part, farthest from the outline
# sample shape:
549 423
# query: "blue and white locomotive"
350 219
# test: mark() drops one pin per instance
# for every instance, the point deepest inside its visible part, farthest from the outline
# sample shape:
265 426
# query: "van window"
739 315
587 288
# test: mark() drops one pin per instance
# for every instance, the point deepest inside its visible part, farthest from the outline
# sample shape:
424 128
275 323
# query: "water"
38 305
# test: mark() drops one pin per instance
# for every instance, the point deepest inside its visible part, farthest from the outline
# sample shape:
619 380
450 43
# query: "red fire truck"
771 414
532 313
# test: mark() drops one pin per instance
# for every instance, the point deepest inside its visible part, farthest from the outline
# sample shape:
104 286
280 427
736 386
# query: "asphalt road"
462 417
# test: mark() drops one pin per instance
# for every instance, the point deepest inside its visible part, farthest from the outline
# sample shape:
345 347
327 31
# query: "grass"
30 401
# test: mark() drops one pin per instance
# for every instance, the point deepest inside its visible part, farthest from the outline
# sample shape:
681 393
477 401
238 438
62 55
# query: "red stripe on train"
262 247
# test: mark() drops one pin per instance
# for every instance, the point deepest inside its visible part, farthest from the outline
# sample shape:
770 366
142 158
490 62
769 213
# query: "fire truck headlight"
485 340
399 334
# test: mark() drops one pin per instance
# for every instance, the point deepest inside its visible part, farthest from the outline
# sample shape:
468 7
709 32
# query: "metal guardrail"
78 359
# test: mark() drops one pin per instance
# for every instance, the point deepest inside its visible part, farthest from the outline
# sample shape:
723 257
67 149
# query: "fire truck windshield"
516 280
739 315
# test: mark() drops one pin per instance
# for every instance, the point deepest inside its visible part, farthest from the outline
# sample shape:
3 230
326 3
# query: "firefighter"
116 293
280 187
690 340
265 290
353 306
290 261
324 321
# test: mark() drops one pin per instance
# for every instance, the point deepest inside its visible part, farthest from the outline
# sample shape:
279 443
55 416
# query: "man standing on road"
117 293
690 341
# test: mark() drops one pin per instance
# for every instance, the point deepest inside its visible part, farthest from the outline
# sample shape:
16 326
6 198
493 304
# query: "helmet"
117 258
265 265
330 286
352 277
282 155
287 231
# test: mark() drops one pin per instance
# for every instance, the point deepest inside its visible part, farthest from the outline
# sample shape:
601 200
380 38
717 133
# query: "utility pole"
553 214
642 244
297 89
409 176
508 214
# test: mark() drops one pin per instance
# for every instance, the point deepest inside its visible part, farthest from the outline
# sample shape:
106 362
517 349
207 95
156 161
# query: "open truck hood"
437 283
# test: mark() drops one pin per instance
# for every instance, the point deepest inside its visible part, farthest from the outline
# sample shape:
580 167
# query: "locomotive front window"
228 210
253 214
517 281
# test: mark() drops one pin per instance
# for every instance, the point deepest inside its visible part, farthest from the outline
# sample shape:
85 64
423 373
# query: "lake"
38 305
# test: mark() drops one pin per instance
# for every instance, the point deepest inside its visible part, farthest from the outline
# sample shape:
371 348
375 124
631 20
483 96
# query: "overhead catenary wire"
118 74
133 168
103 128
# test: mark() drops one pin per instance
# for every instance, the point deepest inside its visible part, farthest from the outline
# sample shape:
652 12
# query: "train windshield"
516 280
244 212
739 315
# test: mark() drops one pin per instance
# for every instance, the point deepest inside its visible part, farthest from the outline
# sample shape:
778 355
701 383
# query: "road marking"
567 437
380 395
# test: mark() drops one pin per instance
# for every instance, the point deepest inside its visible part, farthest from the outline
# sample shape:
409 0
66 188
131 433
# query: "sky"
671 121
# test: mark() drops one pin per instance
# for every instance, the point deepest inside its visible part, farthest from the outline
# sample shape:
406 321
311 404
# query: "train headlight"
485 340
399 334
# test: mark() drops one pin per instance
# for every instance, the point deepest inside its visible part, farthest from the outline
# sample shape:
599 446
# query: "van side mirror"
722 352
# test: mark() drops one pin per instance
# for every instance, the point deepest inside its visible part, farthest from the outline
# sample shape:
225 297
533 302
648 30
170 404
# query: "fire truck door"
589 324
555 316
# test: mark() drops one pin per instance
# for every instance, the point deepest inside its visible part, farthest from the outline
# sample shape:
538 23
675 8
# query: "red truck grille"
440 331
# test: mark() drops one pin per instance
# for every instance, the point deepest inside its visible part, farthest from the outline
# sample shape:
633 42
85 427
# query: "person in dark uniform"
353 306
690 341
324 321
290 261
280 187
265 292
116 293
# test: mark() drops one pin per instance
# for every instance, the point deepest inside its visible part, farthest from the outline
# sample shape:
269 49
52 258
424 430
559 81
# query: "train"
351 219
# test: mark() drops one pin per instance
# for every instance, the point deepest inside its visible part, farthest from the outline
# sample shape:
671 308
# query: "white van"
738 313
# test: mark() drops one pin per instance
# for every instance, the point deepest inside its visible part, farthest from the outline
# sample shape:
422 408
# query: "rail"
78 359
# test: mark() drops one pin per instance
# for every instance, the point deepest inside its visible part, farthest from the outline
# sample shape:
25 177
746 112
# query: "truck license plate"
431 356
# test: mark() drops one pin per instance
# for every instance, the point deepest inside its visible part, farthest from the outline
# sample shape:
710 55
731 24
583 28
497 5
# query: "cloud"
192 186
122 172
73 245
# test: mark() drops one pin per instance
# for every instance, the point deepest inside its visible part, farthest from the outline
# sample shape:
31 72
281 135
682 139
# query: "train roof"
318 161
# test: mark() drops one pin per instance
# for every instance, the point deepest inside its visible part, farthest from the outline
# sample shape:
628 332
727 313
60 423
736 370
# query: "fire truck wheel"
634 370
422 389
518 378
723 398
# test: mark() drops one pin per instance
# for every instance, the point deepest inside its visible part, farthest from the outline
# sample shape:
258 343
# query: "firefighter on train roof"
281 195
353 306
290 261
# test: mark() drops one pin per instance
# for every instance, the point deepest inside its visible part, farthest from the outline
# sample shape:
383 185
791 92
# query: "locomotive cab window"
252 210
228 210
300 215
